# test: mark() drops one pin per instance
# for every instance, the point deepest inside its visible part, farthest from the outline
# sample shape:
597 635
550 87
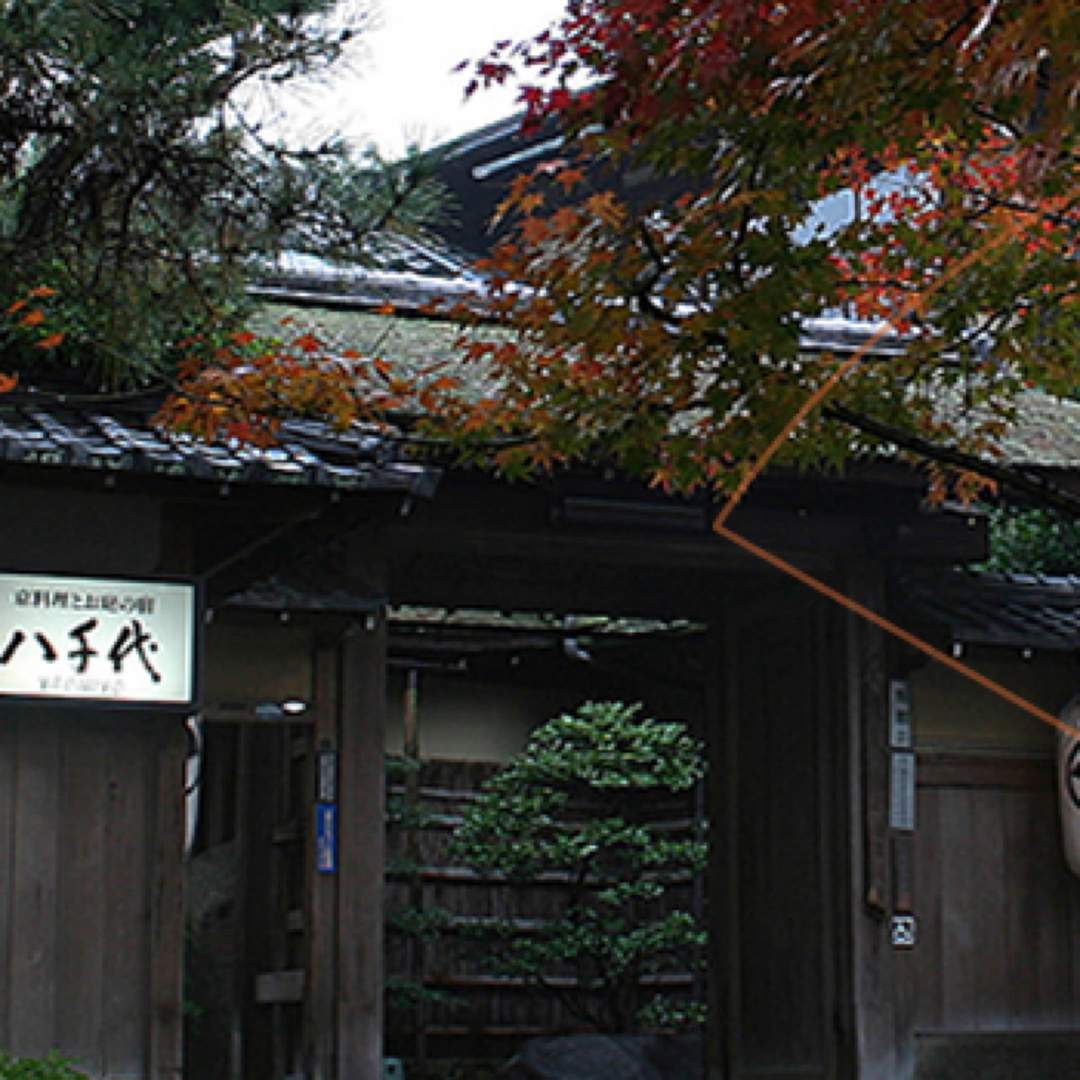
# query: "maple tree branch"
929 45
1029 483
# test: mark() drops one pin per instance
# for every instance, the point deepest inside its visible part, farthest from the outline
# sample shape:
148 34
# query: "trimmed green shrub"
579 806
50 1067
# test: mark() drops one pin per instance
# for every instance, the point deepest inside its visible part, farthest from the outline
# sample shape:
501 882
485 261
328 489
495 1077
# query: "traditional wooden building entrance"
801 900
807 871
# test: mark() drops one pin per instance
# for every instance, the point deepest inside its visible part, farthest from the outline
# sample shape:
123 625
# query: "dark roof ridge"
977 607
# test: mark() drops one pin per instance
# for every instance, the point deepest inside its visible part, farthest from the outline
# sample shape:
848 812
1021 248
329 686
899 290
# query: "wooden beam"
982 770
451 555
617 531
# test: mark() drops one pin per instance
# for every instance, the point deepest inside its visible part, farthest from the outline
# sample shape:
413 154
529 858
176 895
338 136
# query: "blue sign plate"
326 838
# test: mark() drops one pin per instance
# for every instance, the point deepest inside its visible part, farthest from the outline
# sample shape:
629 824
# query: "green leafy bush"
1033 542
51 1067
579 805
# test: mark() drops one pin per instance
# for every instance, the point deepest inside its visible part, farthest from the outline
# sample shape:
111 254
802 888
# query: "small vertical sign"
326 811
902 770
326 781
902 792
900 736
326 839
904 931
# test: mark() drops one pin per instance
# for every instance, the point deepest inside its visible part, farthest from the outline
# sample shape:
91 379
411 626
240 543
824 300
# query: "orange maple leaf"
570 178
605 206
8 382
564 221
33 318
534 230
51 341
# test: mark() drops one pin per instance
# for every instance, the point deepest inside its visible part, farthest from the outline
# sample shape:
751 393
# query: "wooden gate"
247 905
291 954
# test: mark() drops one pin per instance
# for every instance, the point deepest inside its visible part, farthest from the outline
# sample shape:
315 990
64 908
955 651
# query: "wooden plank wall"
90 907
999 913
486 1018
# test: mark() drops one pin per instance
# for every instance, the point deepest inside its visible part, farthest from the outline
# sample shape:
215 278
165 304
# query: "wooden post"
415 945
241 990
320 1020
871 871
904 960
720 882
362 840
167 907
8 750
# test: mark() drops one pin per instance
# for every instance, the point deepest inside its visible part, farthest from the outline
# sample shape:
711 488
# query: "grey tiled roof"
68 437
405 272
342 302
1016 610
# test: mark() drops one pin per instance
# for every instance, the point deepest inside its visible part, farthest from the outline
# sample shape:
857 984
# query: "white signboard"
96 639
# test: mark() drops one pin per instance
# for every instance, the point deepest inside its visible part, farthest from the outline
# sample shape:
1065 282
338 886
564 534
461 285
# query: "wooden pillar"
877 968
176 555
777 913
720 877
414 948
362 847
8 748
167 906
320 1020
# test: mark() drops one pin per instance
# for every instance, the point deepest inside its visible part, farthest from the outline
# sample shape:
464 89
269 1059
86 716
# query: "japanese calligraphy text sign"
102 640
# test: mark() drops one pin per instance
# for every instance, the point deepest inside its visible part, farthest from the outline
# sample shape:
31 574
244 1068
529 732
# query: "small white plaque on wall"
902 791
900 735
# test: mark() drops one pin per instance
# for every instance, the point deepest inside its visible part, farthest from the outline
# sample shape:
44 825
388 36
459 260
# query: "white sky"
402 87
